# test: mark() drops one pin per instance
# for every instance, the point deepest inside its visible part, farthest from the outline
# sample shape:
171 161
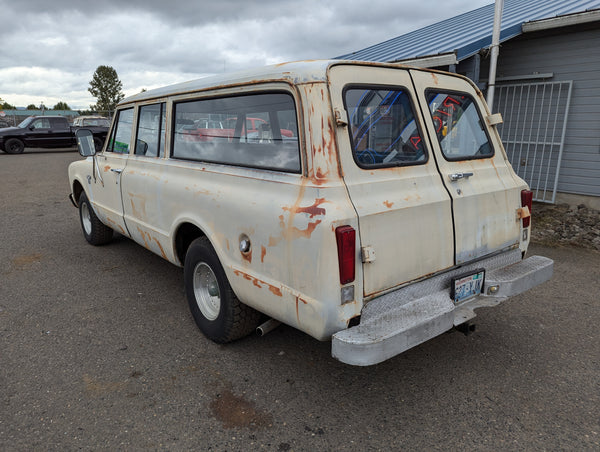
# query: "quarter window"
257 131
383 129
458 126
121 134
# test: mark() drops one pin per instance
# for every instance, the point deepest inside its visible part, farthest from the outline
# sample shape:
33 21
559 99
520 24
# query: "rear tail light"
346 244
527 201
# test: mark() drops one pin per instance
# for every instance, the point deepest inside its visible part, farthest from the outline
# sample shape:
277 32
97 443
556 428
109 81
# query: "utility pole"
495 49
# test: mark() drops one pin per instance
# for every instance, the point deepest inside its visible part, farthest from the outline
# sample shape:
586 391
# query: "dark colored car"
45 132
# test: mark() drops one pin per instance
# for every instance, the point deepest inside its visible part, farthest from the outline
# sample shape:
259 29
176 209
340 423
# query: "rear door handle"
457 176
117 170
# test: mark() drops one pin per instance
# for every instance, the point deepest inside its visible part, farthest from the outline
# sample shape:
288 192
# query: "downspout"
495 49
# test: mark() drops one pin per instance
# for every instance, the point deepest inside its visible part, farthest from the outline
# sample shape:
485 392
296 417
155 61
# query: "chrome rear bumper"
397 321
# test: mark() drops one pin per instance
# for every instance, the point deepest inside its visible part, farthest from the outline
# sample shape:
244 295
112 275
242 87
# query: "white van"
368 204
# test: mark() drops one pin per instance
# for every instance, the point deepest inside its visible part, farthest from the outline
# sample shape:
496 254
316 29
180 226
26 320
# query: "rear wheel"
14 146
217 311
94 231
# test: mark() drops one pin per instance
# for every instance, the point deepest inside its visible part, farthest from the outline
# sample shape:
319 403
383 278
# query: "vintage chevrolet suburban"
374 206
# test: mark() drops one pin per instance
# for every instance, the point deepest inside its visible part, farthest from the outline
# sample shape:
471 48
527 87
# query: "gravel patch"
565 225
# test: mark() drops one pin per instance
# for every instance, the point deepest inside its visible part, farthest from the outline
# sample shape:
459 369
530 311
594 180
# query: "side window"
258 131
458 125
383 129
42 123
121 134
150 139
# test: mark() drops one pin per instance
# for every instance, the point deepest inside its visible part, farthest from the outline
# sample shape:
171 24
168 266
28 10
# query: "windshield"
25 123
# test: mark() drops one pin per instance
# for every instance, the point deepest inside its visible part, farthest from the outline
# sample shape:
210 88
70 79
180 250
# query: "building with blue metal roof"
547 85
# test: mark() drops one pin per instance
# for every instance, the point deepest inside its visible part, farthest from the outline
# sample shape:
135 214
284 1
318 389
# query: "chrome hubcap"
206 291
86 219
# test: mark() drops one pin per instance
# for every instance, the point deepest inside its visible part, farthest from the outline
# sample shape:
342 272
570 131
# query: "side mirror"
85 142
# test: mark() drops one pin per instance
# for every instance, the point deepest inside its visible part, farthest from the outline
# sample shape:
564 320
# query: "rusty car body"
377 210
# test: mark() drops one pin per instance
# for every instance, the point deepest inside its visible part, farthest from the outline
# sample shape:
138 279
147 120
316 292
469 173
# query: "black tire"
94 231
14 146
217 311
98 143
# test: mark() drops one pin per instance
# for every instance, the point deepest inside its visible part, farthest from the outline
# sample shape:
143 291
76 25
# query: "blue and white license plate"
467 286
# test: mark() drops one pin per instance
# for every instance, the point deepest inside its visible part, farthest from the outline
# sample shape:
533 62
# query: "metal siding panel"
562 55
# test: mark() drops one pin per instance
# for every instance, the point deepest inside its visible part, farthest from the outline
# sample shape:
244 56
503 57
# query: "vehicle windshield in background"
25 123
383 129
95 122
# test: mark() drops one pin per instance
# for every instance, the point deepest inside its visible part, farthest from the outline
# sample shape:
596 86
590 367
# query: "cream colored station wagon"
367 204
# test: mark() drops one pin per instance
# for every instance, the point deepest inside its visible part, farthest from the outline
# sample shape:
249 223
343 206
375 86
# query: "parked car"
386 219
87 121
45 132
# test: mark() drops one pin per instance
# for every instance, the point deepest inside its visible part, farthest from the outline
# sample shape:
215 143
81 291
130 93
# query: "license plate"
466 286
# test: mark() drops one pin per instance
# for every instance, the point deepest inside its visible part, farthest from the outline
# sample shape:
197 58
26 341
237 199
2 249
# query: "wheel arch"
77 190
185 234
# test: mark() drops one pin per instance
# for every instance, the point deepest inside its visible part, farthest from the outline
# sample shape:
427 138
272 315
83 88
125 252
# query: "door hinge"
367 254
340 117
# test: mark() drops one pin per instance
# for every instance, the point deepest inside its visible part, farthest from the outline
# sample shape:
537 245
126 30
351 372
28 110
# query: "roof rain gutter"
445 59
495 49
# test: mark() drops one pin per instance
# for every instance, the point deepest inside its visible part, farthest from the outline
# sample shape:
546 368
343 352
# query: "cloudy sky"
49 50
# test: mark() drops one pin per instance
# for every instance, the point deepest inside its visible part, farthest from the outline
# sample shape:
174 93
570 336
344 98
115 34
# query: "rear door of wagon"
404 209
485 194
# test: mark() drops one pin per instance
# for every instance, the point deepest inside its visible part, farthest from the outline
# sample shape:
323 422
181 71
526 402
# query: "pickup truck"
45 132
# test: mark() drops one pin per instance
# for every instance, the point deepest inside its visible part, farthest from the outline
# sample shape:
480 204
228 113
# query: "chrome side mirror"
85 142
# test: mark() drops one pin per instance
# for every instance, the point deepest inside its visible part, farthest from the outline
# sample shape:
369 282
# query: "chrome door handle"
117 170
456 176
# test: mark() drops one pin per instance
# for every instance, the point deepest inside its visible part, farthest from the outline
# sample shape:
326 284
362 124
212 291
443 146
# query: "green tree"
5 105
106 87
32 107
61 106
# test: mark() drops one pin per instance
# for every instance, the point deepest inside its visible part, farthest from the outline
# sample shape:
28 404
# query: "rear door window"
383 130
150 140
219 130
458 125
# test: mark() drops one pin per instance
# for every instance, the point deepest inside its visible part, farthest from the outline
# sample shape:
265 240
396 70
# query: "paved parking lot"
98 351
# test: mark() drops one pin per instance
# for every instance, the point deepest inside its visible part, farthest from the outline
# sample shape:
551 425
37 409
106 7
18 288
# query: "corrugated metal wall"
573 56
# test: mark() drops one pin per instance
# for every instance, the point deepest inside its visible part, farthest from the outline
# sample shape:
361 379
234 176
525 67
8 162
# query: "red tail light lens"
346 244
527 201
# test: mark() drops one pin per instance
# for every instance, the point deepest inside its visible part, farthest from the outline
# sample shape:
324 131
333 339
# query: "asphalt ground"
99 352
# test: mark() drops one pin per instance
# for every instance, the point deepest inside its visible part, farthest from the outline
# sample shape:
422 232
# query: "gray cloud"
52 48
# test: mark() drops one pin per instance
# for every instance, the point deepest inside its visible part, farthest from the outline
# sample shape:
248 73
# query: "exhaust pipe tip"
267 327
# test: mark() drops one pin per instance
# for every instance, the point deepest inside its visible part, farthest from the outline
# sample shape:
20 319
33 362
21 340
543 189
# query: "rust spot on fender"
143 234
162 251
247 256
388 204
298 300
113 223
258 283
263 252
106 168
312 210
294 233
